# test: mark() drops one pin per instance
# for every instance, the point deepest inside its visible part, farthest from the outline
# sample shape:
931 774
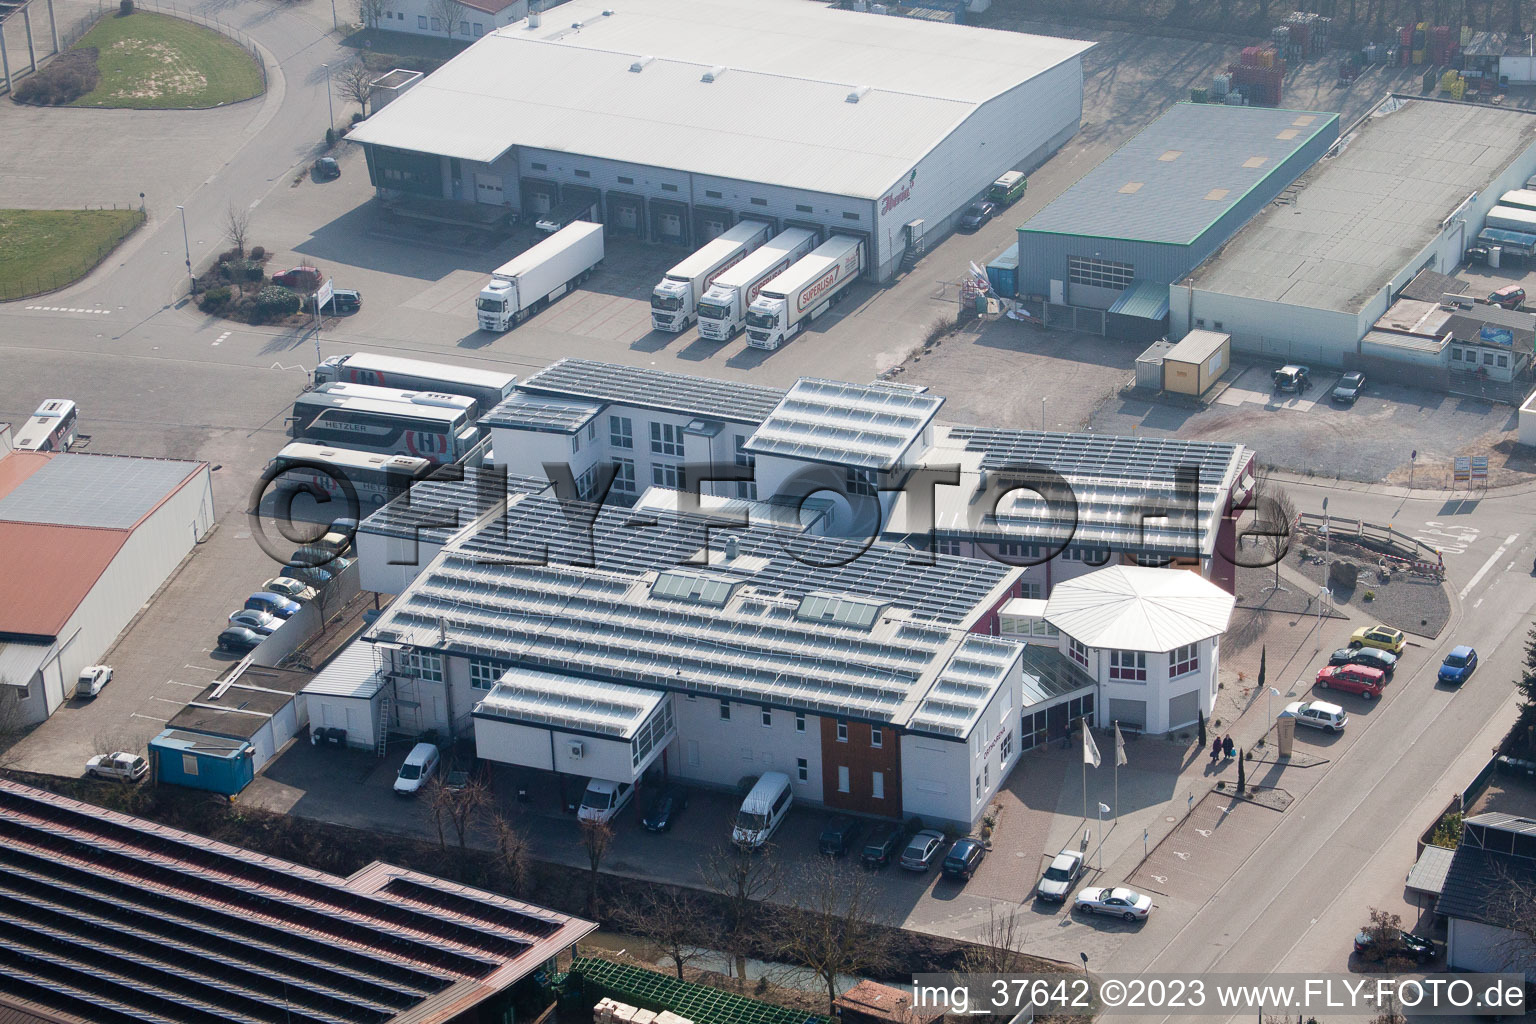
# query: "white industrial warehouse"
671 119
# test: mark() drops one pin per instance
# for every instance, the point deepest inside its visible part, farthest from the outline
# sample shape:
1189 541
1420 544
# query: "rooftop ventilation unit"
534 19
857 94
640 64
714 73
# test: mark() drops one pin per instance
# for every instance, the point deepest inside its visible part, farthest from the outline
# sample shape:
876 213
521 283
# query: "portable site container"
1197 362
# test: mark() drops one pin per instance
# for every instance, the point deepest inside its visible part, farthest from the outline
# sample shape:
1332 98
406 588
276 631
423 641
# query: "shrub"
274 303
1447 831
214 300
226 272
63 80
251 270
357 118
124 8
330 136
258 253
1370 595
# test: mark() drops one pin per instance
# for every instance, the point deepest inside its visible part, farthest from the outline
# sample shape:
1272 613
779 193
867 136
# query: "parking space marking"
194 686
152 718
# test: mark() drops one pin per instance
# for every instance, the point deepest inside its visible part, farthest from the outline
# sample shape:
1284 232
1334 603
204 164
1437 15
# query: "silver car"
1126 904
919 854
1060 877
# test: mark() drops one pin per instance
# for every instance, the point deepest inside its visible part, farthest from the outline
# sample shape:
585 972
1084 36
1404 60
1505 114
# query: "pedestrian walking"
1215 749
1227 746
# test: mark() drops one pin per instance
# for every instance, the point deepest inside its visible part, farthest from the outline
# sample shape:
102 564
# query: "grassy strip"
152 61
41 250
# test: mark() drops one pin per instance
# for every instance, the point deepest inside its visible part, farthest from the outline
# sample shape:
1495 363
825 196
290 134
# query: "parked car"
343 300
1127 904
664 809
92 679
1319 714
1372 656
1511 296
300 279
840 836
603 799
976 215
963 858
239 639
1058 880
1362 679
1381 637
1476 254
326 169
880 847
1293 378
272 604
1404 944
1458 665
419 767
1349 387
118 765
286 586
921 849
260 623
310 575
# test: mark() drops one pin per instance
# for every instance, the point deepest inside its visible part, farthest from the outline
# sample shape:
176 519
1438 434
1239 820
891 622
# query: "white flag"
1090 749
1119 747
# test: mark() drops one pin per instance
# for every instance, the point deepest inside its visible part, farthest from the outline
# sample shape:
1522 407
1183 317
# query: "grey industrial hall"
671 120
1108 247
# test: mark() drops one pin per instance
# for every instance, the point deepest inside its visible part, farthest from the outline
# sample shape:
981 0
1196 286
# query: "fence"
23 284
73 32
1406 547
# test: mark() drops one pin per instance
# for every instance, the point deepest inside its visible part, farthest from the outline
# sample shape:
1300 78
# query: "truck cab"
494 305
671 305
718 313
766 321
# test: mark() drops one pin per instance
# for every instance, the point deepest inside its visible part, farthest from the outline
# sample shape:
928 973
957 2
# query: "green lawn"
153 61
41 250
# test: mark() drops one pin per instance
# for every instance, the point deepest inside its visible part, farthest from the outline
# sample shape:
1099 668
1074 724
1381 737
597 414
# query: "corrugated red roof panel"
46 571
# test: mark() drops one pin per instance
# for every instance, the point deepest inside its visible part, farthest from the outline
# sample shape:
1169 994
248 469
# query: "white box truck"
675 298
1512 218
525 285
723 309
804 291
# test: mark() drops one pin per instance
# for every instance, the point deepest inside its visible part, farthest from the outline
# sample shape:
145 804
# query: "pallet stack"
1259 77
611 1011
1305 35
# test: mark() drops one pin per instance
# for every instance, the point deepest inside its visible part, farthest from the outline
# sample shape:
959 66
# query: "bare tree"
354 80
458 807
370 11
746 878
996 948
1274 514
832 929
449 12
512 853
670 918
596 837
237 226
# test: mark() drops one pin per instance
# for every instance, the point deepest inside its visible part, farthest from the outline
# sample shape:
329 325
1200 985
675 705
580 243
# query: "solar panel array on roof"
866 426
645 388
108 491
436 508
693 587
106 918
838 611
570 702
525 411
965 686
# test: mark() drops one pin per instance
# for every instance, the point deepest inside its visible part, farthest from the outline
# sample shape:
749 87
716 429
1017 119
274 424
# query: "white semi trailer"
804 291
723 309
539 276
675 299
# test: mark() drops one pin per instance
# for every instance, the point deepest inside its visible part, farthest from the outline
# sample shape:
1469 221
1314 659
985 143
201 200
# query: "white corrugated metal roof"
779 115
866 426
591 705
354 672
1136 608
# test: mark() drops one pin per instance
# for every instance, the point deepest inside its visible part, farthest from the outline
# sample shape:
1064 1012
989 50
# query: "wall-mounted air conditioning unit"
575 749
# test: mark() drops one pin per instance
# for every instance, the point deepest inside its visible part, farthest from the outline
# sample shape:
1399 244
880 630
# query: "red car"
1362 679
300 279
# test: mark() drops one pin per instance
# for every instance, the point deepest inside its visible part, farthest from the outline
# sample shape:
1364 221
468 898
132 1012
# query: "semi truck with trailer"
804 291
723 309
675 299
539 276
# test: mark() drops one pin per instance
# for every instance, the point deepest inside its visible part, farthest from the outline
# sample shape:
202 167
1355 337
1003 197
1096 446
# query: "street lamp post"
329 107
187 246
1103 810
1042 412
1270 697
1327 539
334 25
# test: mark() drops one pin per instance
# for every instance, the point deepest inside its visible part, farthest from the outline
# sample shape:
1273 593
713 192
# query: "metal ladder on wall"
385 705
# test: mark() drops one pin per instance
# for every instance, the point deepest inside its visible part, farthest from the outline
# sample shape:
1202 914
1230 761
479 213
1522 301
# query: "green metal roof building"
1160 204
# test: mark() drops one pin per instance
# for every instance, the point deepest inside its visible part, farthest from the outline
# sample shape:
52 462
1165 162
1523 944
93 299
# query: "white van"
763 810
603 800
419 767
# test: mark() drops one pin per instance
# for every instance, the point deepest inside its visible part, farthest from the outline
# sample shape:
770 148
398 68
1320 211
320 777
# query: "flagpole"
1117 769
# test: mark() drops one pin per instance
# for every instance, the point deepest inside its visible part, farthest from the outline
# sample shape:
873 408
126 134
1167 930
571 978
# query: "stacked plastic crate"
1259 76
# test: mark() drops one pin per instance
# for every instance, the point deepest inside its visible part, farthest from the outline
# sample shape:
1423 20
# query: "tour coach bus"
487 387
374 478
426 431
